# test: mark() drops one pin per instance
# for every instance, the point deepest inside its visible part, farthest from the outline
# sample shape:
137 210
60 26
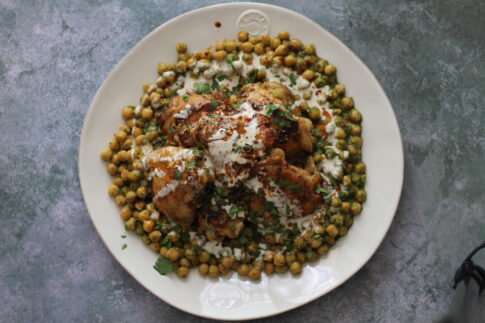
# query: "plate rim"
89 115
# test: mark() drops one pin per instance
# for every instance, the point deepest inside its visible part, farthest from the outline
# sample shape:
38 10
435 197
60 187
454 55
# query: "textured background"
428 56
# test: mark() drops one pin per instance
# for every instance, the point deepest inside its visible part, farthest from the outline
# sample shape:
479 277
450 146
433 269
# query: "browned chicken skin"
187 124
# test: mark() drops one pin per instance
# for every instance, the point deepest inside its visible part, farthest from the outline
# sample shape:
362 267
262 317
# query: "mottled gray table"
428 56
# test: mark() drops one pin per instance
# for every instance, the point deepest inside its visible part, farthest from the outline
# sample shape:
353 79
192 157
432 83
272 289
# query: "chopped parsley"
292 79
192 164
271 108
185 97
295 188
123 236
214 103
234 210
202 88
124 246
238 149
215 85
178 175
163 265
198 153
253 76
325 192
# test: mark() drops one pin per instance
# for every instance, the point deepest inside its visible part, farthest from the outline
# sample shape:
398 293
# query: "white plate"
234 298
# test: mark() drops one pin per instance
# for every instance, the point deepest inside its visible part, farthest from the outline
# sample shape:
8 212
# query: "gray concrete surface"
428 56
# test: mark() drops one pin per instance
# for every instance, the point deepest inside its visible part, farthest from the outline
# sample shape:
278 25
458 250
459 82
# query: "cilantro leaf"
295 188
215 85
214 103
253 76
124 246
185 97
198 153
326 193
192 164
271 108
178 175
292 79
163 265
202 88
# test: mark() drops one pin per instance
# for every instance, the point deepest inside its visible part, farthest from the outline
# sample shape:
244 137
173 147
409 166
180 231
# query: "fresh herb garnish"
238 149
192 164
123 236
163 265
185 97
178 175
202 88
253 76
215 85
325 192
292 79
295 188
214 103
198 153
271 108
234 210
124 246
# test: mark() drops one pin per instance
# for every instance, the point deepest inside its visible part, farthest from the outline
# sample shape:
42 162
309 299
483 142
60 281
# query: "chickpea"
337 219
120 200
213 271
163 251
281 50
255 274
279 259
316 243
301 64
148 225
329 69
296 112
360 196
289 258
182 272
275 42
118 181
230 46
130 196
142 192
144 215
296 43
281 269
185 262
173 254
323 250
106 154
314 113
284 35
300 256
220 55
340 88
134 175
345 207
347 102
356 141
290 60
295 268
181 47
112 169
203 269
355 115
130 224
247 47
147 113
242 36
259 49
308 75
309 49
268 268
335 202
227 262
355 130
173 236
340 133
114 145
268 256
223 270
155 236
331 230
204 257
243 270
120 136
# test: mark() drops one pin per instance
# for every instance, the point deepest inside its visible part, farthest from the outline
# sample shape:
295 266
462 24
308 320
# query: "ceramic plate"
232 297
